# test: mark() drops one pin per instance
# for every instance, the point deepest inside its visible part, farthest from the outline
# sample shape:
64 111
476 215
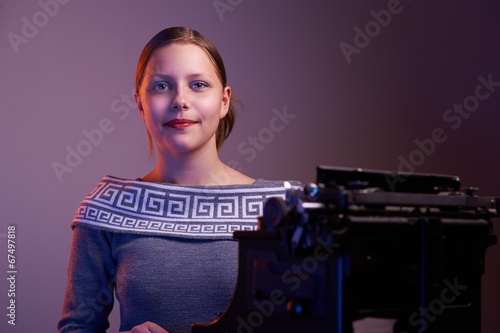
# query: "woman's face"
181 99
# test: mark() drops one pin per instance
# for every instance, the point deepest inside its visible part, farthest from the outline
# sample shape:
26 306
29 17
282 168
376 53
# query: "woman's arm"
89 294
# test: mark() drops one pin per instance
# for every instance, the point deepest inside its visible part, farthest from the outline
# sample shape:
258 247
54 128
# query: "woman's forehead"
180 56
181 59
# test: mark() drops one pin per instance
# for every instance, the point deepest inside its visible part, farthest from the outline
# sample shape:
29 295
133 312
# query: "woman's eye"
160 86
198 85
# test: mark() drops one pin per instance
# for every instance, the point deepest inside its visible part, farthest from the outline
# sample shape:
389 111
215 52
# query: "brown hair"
182 35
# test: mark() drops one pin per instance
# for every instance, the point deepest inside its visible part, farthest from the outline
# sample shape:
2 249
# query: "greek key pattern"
181 211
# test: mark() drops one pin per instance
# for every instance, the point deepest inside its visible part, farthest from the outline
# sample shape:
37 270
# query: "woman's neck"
200 168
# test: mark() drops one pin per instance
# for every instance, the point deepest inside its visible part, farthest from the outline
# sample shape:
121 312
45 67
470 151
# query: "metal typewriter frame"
329 255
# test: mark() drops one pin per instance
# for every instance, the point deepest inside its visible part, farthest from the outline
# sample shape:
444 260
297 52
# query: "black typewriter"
363 243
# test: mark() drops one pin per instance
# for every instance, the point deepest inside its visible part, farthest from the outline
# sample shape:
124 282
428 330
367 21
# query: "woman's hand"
147 327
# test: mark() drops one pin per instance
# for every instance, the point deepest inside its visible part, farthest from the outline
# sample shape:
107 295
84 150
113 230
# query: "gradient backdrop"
316 91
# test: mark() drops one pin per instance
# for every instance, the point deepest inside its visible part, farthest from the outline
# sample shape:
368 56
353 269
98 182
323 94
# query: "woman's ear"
226 101
138 103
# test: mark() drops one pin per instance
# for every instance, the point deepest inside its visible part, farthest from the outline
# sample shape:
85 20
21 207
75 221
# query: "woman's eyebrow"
168 76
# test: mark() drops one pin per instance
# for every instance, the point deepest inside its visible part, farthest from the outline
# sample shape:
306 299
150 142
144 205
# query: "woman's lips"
180 123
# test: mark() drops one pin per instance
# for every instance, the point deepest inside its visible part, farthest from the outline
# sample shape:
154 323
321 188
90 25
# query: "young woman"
163 243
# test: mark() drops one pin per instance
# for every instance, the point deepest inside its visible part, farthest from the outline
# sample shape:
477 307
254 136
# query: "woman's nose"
180 101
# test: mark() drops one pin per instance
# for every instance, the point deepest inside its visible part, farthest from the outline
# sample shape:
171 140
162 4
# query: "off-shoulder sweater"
166 251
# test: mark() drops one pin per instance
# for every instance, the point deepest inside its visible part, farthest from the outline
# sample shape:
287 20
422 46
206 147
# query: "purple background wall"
68 66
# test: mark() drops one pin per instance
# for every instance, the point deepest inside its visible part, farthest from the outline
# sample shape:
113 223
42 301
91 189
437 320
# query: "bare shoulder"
236 177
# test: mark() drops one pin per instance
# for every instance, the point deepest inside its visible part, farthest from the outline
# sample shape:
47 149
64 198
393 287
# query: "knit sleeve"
89 292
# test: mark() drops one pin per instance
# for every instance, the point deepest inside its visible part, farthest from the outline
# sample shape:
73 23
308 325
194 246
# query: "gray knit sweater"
165 251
